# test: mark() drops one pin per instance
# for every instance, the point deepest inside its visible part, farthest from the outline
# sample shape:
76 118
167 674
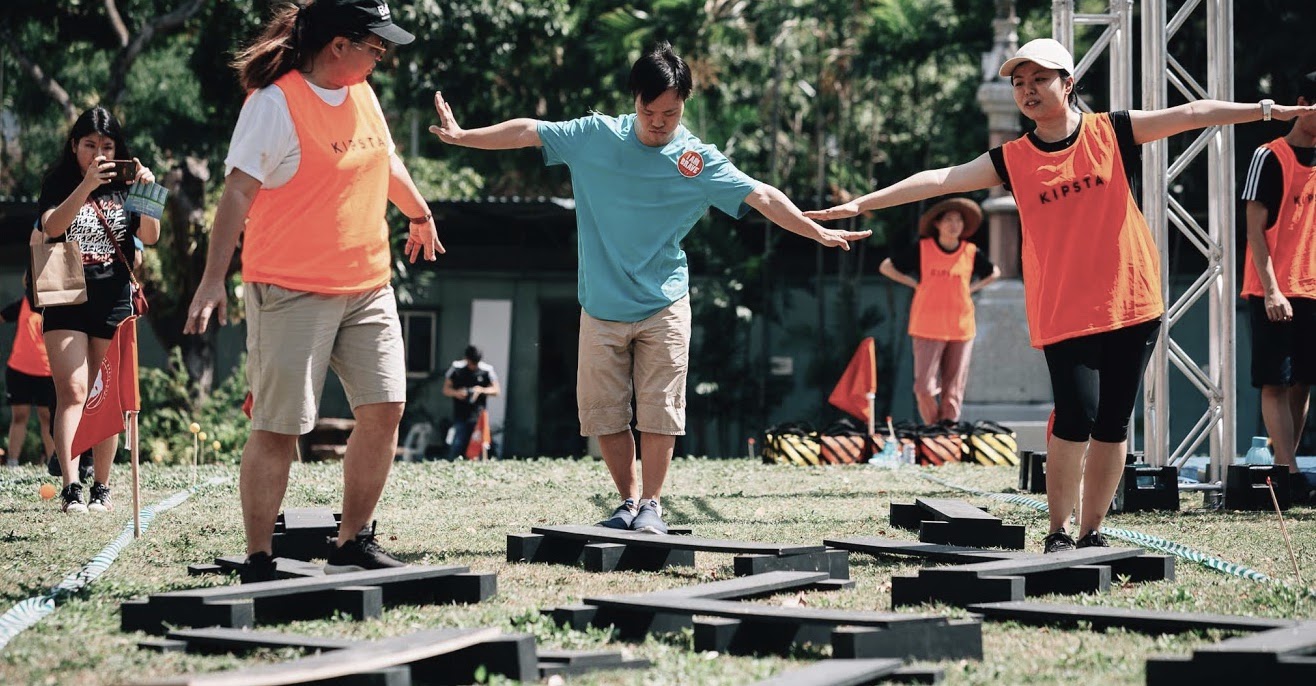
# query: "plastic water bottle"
1259 453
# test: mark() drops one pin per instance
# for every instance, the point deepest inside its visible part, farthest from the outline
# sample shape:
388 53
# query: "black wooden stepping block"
837 673
1144 621
934 552
284 568
1245 487
1088 570
236 641
1280 656
599 549
1143 488
729 626
360 595
955 522
444 656
303 533
1032 471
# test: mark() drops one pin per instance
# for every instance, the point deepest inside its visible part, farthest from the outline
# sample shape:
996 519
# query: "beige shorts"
294 338
647 360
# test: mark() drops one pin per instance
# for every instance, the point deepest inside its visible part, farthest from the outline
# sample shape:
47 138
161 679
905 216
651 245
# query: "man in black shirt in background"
469 382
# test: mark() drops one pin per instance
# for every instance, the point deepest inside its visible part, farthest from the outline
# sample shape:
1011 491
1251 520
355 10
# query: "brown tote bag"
57 275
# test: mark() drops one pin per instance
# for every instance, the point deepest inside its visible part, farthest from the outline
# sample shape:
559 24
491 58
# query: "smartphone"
124 170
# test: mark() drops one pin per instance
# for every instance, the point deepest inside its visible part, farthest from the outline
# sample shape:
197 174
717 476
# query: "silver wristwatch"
1265 109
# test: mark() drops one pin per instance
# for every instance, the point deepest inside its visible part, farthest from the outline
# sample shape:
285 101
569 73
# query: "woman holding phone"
82 200
1091 270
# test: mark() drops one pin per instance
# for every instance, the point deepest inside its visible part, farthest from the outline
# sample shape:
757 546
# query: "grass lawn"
460 513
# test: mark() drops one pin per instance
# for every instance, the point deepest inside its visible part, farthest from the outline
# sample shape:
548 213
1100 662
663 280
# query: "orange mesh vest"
1089 264
1292 238
29 353
942 309
324 230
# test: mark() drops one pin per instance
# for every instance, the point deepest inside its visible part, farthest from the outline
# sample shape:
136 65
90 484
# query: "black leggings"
1095 381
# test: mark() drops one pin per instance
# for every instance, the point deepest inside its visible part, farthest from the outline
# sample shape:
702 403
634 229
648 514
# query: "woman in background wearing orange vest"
28 382
310 171
1091 271
1279 283
941 269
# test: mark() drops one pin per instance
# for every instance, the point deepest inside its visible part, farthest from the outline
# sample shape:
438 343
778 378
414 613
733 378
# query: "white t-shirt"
264 142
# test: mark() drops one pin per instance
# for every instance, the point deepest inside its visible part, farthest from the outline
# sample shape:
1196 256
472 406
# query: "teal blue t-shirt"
634 204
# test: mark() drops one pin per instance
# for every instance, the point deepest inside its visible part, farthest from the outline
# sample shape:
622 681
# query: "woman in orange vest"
27 379
311 169
1091 271
941 268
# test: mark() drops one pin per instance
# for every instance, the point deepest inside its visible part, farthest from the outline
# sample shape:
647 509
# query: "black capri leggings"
1095 381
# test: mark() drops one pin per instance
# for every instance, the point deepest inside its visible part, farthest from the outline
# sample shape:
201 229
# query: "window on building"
419 332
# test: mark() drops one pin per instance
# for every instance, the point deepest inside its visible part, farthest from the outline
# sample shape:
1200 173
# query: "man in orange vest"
28 382
1279 283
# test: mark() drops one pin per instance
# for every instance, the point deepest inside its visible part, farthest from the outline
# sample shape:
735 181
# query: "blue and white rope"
28 612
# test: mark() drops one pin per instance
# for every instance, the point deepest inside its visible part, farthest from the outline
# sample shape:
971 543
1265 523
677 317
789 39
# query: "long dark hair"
292 38
66 173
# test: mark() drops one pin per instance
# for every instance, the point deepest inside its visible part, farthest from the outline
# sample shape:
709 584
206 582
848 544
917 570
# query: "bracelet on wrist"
421 220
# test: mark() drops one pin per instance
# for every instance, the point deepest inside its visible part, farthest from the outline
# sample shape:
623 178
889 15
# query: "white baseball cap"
1047 52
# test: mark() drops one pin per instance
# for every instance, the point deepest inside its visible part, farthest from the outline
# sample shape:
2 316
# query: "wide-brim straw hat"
968 209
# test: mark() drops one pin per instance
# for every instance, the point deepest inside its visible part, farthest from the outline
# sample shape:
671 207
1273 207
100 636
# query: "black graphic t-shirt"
98 256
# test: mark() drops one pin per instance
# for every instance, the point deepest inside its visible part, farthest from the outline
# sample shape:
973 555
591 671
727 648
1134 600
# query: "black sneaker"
100 498
258 567
72 496
1058 542
1093 539
649 519
359 554
622 516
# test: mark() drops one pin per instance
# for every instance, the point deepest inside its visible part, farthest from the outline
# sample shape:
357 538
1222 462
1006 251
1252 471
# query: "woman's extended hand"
98 173
144 175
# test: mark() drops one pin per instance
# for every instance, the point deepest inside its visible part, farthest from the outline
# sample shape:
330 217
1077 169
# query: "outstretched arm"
971 176
513 133
1153 125
779 209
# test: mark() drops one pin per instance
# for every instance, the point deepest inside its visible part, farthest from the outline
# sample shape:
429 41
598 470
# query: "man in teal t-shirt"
640 181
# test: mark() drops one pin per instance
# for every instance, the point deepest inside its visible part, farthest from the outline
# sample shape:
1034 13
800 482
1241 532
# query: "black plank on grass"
745 586
284 567
1033 564
270 589
836 673
364 658
575 662
935 552
1146 621
1280 656
710 545
226 640
948 510
645 603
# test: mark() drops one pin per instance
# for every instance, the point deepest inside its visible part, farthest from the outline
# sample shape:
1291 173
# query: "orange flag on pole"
858 382
478 446
114 392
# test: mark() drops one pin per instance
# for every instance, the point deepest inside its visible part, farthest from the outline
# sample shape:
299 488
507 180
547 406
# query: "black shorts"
1283 353
1095 381
25 389
109 302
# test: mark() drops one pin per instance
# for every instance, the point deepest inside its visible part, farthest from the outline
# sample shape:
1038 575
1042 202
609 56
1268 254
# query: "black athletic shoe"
258 567
100 498
72 496
622 516
1058 542
649 520
1093 539
359 554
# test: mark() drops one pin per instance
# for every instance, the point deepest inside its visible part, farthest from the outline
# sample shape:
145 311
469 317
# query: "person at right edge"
1092 281
1279 283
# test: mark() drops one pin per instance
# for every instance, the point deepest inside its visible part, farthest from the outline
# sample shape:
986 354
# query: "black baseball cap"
371 15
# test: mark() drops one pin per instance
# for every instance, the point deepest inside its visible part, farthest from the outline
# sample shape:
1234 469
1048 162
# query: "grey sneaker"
1058 542
72 496
649 519
621 517
100 498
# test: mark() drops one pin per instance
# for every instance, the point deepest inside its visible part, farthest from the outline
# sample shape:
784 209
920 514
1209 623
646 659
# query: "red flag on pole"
114 392
858 381
478 446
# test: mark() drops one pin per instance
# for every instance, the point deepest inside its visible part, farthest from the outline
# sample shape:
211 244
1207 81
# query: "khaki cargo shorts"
294 338
646 360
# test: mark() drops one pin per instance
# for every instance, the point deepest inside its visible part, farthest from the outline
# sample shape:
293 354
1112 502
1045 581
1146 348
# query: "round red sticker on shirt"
690 163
